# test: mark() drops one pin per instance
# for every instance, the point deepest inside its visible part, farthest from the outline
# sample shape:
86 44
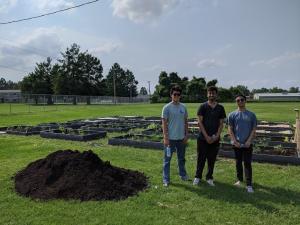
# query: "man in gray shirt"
242 127
175 133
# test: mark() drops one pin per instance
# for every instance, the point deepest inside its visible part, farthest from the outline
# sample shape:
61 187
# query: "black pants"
244 154
205 152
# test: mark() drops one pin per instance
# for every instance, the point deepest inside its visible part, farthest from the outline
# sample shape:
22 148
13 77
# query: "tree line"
78 72
194 90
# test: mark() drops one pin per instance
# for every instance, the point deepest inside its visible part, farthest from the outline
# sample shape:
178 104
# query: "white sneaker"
210 182
196 181
238 184
165 184
250 189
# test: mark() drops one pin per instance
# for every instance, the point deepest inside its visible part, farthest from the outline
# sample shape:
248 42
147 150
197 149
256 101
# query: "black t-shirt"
211 118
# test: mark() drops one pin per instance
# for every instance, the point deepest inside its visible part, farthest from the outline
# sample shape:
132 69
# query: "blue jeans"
179 147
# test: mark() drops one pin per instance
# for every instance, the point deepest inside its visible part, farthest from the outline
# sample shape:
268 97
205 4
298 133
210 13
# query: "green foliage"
126 85
143 91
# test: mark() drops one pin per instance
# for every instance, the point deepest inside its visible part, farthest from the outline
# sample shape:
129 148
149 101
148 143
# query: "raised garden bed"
285 150
138 141
23 130
276 159
75 135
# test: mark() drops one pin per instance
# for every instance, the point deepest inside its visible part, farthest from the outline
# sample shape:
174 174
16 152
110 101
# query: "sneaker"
238 184
185 178
210 182
165 184
250 189
196 181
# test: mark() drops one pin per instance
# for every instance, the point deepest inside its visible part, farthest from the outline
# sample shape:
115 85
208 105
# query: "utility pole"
114 77
149 88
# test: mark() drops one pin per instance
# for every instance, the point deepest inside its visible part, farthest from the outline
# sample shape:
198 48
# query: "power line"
47 14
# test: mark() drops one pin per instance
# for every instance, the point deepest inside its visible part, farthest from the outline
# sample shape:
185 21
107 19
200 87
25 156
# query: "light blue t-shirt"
175 114
242 123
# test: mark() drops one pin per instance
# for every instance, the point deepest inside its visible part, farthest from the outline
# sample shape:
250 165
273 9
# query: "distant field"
276 200
32 114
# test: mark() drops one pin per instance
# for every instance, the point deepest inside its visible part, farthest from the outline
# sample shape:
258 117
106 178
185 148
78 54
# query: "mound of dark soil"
77 175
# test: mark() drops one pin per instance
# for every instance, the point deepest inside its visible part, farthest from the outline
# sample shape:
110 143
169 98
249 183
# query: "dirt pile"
77 175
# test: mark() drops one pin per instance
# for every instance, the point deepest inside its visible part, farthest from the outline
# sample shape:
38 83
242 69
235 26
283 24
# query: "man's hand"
209 140
236 144
185 140
166 141
247 144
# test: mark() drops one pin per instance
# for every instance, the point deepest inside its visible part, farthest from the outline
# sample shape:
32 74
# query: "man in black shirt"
210 119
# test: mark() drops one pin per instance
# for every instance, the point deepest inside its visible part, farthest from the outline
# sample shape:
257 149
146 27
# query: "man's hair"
175 88
241 95
212 88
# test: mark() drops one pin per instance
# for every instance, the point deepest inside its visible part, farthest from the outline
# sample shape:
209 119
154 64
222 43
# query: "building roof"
277 94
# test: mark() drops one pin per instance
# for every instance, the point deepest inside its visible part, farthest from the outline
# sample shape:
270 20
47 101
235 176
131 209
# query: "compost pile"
77 175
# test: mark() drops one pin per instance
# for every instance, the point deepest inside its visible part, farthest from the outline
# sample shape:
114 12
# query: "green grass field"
277 188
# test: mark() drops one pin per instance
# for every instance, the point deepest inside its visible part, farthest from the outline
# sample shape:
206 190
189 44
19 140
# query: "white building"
10 96
277 97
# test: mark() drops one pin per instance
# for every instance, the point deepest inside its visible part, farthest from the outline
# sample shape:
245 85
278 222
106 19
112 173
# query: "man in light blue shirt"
175 133
242 127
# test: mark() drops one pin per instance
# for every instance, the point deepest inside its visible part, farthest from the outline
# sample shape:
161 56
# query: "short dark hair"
175 88
212 88
241 95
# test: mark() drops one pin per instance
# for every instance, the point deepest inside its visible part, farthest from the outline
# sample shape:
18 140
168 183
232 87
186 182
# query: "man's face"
240 101
176 96
212 95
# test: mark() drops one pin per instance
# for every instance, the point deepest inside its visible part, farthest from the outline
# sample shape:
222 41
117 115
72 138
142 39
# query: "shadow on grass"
265 198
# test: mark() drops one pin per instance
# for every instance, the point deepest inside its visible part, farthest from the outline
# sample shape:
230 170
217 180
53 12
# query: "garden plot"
24 130
138 141
73 134
274 148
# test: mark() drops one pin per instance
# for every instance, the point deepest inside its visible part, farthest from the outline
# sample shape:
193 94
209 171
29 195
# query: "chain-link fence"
44 99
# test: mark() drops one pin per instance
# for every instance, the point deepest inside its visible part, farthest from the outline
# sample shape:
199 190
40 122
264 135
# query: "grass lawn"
277 188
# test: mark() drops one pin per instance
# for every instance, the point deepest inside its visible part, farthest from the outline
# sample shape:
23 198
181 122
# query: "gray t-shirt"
175 114
242 123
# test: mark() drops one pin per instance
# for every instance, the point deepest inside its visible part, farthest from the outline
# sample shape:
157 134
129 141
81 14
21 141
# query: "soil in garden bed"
77 175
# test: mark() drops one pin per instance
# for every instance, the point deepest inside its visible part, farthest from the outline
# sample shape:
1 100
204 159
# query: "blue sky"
255 43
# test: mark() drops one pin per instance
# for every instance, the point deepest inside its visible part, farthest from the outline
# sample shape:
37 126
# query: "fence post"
297 132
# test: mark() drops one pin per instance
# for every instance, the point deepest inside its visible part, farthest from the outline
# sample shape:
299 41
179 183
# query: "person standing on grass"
242 127
175 134
211 116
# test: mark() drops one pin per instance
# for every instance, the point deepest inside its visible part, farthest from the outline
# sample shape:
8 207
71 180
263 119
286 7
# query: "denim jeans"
179 147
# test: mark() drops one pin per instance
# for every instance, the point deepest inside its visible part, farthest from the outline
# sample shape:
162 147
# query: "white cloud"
210 63
105 47
277 61
140 11
6 5
46 5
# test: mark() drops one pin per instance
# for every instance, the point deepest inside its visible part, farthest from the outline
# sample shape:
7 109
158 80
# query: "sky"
254 43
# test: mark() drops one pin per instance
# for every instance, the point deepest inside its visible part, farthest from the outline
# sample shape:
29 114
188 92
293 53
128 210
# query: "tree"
277 90
8 85
212 83
39 81
294 90
195 89
126 85
239 89
78 73
143 91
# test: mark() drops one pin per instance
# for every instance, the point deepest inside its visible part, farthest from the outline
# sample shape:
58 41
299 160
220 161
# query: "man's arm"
186 128
165 131
203 131
232 137
250 138
218 134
